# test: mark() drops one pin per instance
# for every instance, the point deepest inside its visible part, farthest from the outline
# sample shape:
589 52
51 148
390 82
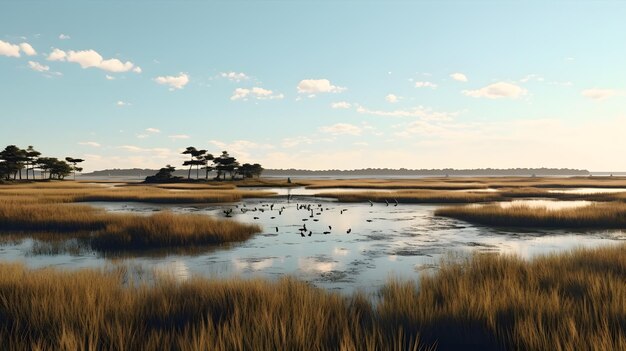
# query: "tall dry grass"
150 194
570 301
600 215
118 232
414 196
90 310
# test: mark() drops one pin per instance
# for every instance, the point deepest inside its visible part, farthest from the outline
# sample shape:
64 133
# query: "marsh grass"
414 196
600 215
569 301
54 310
117 232
149 194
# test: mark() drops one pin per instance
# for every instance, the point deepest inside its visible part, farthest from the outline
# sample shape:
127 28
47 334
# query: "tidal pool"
401 241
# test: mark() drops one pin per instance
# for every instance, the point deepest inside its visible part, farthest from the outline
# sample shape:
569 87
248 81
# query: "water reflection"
252 264
384 241
176 269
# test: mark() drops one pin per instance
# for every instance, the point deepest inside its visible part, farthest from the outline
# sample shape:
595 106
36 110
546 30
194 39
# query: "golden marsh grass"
118 232
413 196
600 215
569 301
90 310
151 194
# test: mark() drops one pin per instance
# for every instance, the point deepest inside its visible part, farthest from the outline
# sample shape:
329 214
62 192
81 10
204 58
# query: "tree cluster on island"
14 160
223 165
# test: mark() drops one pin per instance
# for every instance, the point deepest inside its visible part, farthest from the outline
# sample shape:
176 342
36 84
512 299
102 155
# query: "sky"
317 85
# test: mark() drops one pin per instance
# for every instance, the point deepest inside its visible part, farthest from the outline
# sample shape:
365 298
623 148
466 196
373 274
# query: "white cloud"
36 66
28 49
391 98
240 93
531 77
122 103
241 149
91 58
115 65
90 143
256 93
8 49
341 104
425 85
175 82
497 90
64 36
295 141
179 136
109 77
420 111
600 94
57 55
459 77
234 76
137 69
314 86
341 129
153 130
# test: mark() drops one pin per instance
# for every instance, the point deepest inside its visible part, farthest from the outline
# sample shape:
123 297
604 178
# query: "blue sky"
317 84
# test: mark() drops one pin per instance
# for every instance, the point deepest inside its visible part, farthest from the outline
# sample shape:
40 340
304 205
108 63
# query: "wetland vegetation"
573 300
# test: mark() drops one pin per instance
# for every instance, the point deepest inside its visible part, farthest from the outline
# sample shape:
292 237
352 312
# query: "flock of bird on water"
304 232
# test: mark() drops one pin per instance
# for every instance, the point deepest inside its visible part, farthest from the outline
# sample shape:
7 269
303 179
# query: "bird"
330 227
276 229
302 234
396 200
304 226
371 203
368 220
310 232
326 232
256 217
272 217
305 219
272 207
316 220
387 202
349 230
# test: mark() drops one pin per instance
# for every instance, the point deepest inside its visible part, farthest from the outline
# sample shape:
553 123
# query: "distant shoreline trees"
14 159
224 165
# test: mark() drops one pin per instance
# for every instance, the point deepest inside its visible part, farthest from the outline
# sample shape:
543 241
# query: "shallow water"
385 241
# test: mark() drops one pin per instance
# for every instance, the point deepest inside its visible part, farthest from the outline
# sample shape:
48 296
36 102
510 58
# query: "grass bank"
151 194
413 196
608 215
118 232
571 301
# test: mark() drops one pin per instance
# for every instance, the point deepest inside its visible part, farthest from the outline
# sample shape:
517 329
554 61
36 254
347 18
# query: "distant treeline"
141 172
432 172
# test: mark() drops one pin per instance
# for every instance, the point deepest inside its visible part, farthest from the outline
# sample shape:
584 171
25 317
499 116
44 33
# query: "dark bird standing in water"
349 230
